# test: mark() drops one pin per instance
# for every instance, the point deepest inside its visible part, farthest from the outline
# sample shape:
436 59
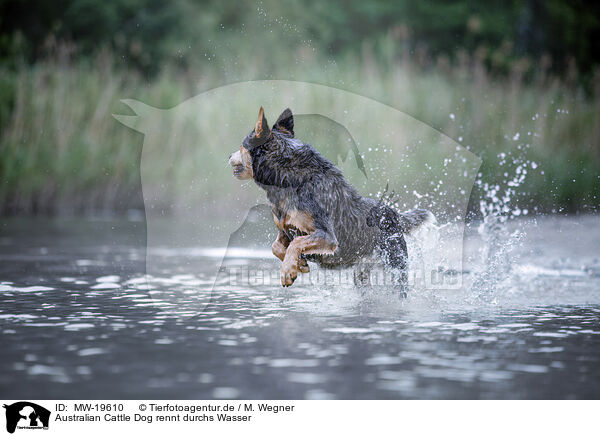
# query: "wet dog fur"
320 217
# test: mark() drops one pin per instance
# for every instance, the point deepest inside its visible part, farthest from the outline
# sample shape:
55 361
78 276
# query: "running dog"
320 217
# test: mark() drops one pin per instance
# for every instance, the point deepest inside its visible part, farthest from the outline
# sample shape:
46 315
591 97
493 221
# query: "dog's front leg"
279 249
319 242
280 245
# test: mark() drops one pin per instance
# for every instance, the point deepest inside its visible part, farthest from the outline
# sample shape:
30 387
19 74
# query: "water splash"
492 277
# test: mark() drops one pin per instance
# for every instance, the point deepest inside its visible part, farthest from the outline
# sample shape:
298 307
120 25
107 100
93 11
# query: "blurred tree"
148 33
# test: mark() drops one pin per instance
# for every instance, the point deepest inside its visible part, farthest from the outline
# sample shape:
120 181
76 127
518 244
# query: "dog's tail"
412 219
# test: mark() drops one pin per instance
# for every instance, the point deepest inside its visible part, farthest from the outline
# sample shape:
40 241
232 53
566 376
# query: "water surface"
79 320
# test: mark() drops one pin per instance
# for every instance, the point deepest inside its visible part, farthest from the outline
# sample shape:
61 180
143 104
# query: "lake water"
79 320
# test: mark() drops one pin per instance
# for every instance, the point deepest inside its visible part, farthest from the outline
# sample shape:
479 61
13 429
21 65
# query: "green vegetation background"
504 78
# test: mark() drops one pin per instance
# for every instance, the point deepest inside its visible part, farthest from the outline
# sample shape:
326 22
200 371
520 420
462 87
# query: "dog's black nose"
230 155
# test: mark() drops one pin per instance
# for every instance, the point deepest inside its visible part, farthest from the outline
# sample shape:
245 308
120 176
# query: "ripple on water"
9 288
56 374
106 285
429 324
293 363
383 359
465 326
78 326
349 330
108 279
306 378
83 370
225 393
91 351
471 339
546 350
495 376
228 342
318 394
205 378
535 369
15 316
551 334
396 380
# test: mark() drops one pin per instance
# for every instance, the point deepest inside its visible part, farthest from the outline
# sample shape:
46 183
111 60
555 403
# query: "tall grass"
62 152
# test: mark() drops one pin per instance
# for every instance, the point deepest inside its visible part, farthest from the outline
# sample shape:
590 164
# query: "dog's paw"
303 266
289 272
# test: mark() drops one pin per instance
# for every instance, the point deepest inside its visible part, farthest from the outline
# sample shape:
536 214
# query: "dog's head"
260 136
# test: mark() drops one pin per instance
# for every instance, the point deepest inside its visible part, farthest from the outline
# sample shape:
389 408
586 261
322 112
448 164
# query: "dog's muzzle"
235 160
238 170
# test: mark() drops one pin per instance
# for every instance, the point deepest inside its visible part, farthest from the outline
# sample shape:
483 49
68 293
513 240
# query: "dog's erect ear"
262 126
285 122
